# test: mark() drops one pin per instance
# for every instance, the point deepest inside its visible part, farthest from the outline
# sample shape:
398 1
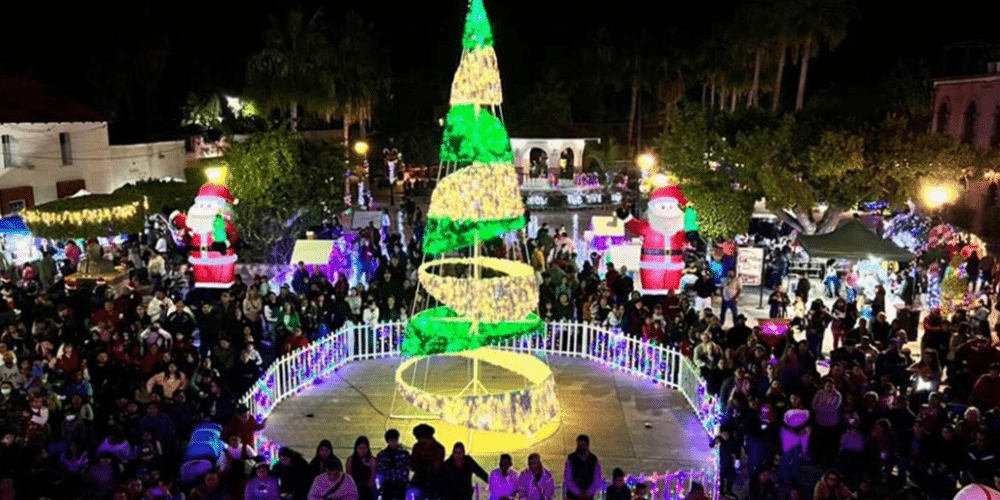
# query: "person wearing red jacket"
986 391
244 425
295 341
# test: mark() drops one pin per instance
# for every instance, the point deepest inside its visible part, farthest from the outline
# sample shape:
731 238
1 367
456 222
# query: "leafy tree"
420 145
798 166
283 184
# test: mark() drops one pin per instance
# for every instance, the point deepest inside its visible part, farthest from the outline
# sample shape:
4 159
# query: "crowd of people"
878 420
102 386
99 390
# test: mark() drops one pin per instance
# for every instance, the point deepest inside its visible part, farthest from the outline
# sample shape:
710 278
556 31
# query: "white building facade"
66 149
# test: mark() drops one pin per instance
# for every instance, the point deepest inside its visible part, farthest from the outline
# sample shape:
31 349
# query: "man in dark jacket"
292 472
456 475
427 459
582 475
392 465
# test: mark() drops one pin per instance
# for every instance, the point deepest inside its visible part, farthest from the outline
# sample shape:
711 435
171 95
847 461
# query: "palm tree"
643 62
362 74
782 36
295 67
600 69
819 24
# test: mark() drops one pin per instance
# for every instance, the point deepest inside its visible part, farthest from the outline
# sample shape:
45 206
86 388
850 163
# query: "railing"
296 371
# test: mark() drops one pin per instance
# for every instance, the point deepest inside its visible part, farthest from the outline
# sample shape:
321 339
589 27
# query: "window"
969 129
8 154
15 206
65 148
943 115
995 140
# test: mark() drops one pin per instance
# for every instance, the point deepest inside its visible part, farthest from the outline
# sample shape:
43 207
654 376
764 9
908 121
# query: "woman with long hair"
170 380
361 467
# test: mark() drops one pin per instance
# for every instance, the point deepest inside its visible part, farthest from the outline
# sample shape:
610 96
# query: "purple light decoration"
774 328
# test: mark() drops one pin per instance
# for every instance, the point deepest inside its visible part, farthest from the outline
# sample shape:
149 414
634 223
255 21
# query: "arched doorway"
538 162
943 115
969 125
567 165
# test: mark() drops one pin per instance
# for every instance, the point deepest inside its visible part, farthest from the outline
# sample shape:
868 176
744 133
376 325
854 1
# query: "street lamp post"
361 149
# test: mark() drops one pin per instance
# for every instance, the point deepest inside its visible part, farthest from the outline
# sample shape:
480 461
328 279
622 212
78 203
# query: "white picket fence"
296 371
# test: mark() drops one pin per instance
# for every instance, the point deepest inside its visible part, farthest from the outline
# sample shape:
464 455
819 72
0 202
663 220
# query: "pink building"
968 108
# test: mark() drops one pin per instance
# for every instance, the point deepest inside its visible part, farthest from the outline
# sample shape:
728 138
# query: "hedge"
87 216
162 196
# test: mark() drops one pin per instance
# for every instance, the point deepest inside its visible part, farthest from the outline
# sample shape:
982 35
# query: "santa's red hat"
101 282
130 285
71 284
214 192
667 194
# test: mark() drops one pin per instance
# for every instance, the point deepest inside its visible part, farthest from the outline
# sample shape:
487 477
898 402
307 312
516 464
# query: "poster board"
750 266
312 252
361 218
625 255
607 226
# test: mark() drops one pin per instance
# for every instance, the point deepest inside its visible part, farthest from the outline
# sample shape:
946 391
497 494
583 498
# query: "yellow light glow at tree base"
524 411
485 300
477 80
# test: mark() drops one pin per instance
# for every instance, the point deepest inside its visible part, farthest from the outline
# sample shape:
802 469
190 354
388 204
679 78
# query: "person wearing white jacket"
504 479
370 315
536 482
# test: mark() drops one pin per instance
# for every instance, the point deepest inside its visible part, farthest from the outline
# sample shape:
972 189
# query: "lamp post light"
646 162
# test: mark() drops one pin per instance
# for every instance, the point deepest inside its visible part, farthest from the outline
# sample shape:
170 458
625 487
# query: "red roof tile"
24 100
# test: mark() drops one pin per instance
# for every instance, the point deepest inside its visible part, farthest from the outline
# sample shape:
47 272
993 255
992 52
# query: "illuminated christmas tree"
484 300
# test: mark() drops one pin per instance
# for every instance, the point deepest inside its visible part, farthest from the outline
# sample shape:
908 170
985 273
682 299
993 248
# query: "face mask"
5 392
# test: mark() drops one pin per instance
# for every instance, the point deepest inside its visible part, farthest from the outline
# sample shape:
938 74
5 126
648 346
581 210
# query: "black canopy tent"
853 241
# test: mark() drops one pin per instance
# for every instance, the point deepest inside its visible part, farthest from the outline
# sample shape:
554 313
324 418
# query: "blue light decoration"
909 231
874 206
934 290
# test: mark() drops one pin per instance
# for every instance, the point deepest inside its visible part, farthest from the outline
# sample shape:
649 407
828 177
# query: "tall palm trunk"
803 73
755 89
783 51
633 109
347 137
293 113
732 106
711 104
704 90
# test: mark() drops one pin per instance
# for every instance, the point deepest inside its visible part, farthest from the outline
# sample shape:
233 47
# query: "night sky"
85 49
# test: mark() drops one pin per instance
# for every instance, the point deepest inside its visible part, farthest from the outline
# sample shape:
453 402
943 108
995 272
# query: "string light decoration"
477 80
474 135
478 201
488 300
524 411
87 216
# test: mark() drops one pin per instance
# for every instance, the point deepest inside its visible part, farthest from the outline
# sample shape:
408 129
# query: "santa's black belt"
661 251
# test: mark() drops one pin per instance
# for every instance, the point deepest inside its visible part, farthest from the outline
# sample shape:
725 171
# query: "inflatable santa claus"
977 492
664 238
208 231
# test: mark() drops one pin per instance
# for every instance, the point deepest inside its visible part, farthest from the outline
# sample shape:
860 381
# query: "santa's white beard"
667 225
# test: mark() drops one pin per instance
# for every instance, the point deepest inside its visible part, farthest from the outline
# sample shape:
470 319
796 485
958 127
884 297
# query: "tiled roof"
25 100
